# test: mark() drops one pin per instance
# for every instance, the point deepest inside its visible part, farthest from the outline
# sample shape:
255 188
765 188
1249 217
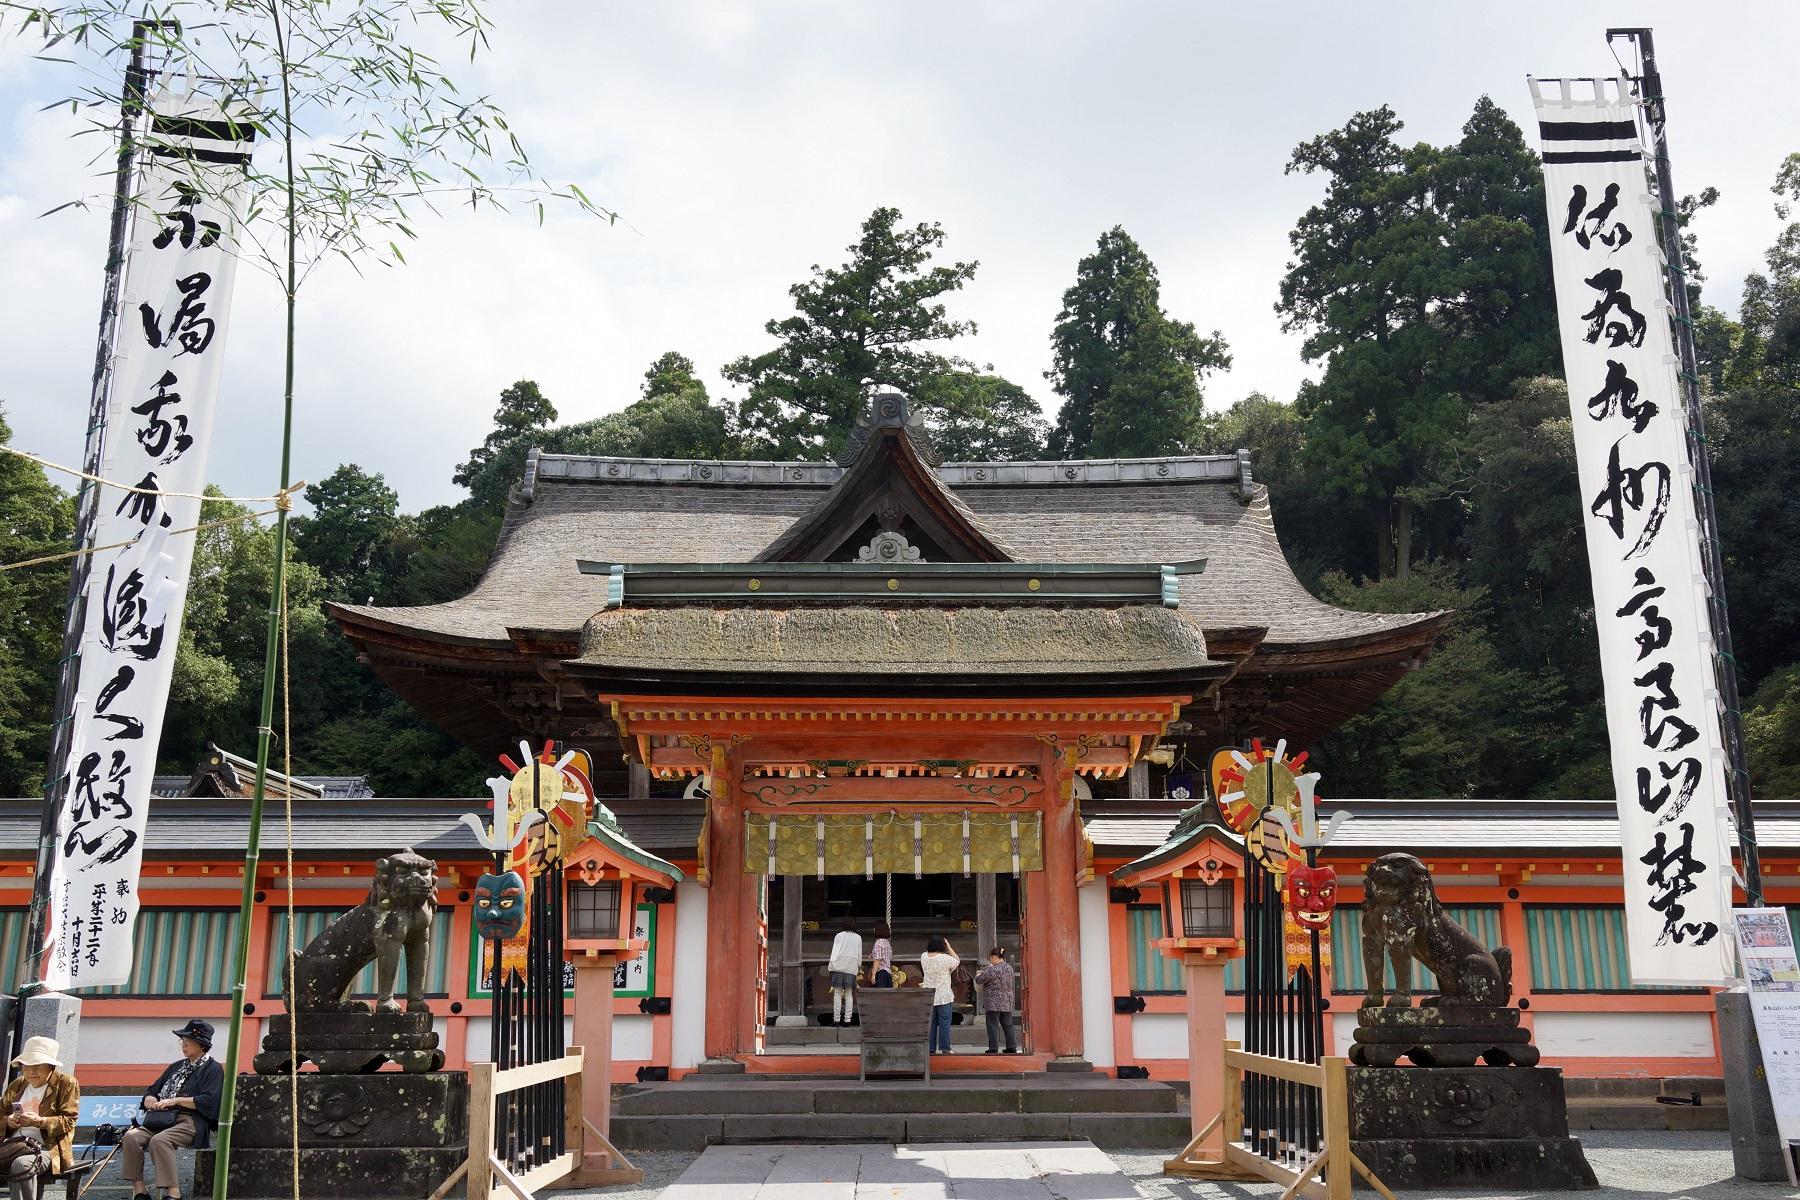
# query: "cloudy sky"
744 142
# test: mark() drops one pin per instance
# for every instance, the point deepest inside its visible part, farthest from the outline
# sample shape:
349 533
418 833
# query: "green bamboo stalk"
264 731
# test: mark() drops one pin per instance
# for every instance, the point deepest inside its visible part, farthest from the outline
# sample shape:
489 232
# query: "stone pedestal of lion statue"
365 1133
1473 1107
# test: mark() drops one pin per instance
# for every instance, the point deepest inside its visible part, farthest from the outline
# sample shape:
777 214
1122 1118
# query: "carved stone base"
353 1043
362 1137
1446 1127
1458 1036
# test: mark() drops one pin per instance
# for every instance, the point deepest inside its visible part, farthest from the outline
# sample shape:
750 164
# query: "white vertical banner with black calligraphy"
1637 504
165 383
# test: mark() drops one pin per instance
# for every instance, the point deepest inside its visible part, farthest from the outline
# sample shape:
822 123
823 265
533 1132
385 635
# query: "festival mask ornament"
1310 891
499 905
1312 895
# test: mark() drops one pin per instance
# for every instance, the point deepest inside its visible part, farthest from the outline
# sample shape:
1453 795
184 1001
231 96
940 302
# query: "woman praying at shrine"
41 1105
881 968
846 961
997 999
180 1110
935 966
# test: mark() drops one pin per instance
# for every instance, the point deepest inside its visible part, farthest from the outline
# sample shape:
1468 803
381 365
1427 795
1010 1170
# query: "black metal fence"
1284 1017
527 1027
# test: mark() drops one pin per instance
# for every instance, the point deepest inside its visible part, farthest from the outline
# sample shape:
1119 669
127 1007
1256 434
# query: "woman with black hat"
181 1109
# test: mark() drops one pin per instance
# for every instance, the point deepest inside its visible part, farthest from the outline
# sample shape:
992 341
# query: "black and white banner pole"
1711 549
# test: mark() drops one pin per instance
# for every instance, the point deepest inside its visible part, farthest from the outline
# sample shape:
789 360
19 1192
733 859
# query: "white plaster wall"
688 992
1234 1028
1159 1035
1623 1034
633 1038
1096 976
477 1032
132 1040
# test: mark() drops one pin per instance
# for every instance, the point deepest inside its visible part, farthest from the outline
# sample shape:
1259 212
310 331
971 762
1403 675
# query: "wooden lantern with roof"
1196 872
604 877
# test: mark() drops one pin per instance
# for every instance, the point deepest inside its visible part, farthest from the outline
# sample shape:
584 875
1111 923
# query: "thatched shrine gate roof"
526 646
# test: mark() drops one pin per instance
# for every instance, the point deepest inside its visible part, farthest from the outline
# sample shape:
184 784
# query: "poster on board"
1765 942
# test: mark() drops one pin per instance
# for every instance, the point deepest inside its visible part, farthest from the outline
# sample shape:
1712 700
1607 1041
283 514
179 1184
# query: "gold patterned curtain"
889 842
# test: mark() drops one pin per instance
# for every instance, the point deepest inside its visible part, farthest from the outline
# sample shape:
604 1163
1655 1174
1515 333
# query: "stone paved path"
1631 1166
936 1171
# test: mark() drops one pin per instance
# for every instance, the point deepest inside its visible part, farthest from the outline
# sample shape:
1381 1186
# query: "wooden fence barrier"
1295 1171
483 1168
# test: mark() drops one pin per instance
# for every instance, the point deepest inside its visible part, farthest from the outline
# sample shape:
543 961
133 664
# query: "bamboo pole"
271 646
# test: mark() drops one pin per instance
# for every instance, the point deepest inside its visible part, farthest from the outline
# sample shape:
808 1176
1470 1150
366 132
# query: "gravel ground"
1631 1166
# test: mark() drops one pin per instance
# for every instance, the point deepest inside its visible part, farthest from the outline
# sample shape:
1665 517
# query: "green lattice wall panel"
1151 970
1581 948
12 945
1481 920
310 922
180 952
1154 972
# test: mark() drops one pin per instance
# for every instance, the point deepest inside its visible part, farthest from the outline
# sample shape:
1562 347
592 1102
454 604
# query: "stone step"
899 1098
1107 1130
851 1035
1636 1113
1710 1087
1644 1088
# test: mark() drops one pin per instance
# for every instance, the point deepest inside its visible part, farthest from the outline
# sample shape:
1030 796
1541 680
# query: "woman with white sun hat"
39 1109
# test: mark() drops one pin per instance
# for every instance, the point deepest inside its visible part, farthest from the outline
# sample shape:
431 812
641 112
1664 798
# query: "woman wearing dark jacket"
181 1109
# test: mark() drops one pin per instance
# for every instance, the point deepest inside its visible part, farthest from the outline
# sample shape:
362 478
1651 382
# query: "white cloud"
744 142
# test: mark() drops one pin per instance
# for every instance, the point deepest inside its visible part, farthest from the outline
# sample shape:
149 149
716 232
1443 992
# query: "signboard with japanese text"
1637 504
1765 943
165 381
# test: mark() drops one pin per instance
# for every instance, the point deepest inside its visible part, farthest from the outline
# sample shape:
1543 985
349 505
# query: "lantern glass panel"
1206 910
594 910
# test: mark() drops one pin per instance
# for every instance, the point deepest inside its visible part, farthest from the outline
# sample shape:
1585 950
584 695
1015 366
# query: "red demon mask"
1311 895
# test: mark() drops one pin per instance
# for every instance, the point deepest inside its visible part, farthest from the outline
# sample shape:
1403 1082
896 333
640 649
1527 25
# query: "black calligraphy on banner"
159 415
143 504
185 223
189 327
1626 488
1614 302
1599 223
1662 758
125 618
125 726
1657 628
1620 392
96 803
1660 697
1670 796
1671 876
161 434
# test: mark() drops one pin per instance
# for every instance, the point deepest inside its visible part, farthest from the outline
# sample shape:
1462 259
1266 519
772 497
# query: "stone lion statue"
1402 920
396 919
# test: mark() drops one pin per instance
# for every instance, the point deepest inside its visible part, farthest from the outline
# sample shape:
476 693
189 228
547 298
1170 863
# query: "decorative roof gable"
1200 837
889 504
